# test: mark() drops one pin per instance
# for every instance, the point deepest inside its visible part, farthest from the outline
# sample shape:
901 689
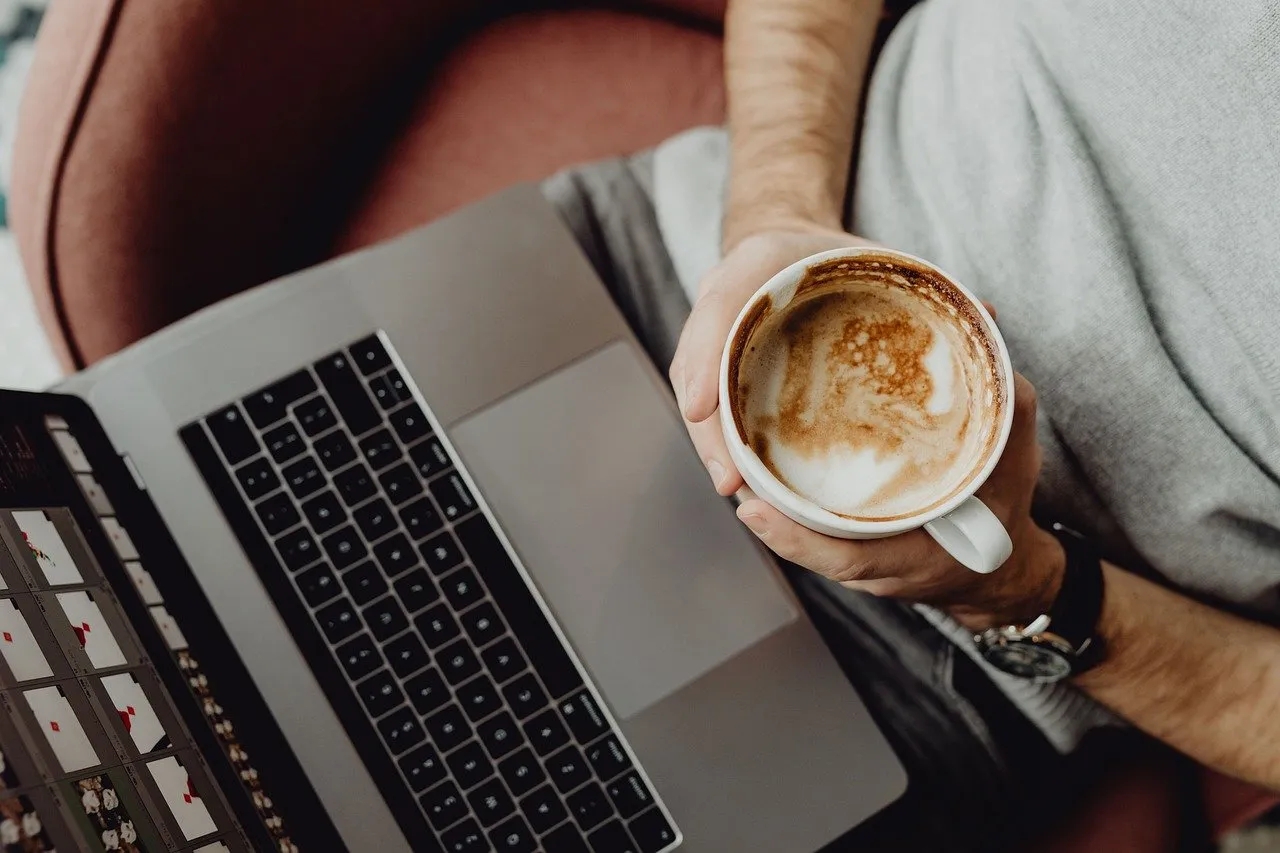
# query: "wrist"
750 213
1025 587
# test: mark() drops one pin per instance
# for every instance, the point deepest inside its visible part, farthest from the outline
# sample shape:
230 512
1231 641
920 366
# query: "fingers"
991 309
695 370
708 439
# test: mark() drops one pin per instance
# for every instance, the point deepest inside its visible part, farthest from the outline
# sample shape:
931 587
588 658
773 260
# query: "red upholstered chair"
173 152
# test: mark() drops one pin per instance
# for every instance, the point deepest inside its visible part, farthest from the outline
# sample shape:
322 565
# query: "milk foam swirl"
875 393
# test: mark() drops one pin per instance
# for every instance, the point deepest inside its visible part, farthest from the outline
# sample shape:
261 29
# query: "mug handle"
973 535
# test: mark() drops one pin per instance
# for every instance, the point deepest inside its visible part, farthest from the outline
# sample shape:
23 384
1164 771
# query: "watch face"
1027 659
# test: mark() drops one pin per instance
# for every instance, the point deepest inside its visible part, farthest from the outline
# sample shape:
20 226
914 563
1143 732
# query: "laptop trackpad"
593 478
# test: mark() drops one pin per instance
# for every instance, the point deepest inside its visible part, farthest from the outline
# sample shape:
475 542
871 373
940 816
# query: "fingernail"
689 388
717 472
755 522
681 388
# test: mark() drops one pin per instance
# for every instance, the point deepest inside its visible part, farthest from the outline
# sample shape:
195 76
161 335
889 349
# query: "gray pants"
970 755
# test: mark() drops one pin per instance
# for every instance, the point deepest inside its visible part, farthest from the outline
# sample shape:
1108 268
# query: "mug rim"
802 510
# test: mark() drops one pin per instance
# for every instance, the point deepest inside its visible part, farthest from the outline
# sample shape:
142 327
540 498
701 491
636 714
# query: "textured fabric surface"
1105 174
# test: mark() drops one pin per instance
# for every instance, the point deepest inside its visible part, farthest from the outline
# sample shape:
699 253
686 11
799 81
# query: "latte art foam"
874 394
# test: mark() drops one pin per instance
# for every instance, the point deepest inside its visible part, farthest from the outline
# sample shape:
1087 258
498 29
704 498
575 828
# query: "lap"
970 755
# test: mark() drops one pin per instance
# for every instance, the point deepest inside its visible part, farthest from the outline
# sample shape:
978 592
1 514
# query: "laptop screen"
128 723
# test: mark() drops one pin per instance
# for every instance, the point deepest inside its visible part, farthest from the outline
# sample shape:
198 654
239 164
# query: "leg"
970 755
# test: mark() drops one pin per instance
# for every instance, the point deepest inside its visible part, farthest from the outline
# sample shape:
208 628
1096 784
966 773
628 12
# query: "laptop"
407 551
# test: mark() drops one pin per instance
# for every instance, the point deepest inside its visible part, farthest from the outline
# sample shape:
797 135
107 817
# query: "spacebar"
527 620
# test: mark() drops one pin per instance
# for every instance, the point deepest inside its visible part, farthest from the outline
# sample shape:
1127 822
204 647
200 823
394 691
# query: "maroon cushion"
533 94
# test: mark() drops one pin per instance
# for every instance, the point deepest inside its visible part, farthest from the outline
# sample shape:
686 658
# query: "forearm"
1201 680
794 71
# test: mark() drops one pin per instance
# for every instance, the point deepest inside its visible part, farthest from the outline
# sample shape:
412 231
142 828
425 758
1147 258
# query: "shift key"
526 618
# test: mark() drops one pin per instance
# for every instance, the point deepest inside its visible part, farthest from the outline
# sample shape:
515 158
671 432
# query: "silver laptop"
445 511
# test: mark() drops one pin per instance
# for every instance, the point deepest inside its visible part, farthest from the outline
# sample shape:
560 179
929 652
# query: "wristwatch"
1062 642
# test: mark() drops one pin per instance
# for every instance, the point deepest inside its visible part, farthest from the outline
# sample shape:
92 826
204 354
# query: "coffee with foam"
875 393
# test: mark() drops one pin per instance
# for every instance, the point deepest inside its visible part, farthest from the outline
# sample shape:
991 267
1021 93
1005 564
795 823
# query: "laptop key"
491 802
503 660
375 519
589 806
359 657
612 838
466 837
470 765
430 457
324 512
452 495
583 715
417 590
423 768
652 831
406 654
525 696
298 549
233 435
389 389
284 442
267 406
315 415
401 484
567 839
355 485
522 772
608 758
304 477
427 691
420 518
385 618
513 836
334 450
543 809
629 794
500 735
370 355
277 513
462 588
338 620
344 547
458 662
448 728
257 478
348 393
444 806
546 732
441 552
401 731
519 608
437 626
410 423
483 624
364 582
568 769
478 698
380 693
379 449
318 585
395 555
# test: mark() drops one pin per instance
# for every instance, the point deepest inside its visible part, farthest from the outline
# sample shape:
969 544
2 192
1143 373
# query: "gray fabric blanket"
1108 174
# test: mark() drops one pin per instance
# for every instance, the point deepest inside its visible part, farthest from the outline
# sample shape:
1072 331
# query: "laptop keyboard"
401 594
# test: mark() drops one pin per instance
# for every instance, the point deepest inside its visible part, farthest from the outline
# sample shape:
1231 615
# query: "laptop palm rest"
593 478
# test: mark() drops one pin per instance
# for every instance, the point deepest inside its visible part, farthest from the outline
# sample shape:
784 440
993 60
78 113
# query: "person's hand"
695 370
912 566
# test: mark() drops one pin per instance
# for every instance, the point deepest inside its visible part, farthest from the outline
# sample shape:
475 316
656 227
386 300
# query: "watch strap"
1075 612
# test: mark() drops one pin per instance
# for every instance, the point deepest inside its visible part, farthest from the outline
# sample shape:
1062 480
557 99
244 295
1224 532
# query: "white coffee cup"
962 524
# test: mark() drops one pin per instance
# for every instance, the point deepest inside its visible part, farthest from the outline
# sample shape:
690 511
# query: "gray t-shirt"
1108 174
